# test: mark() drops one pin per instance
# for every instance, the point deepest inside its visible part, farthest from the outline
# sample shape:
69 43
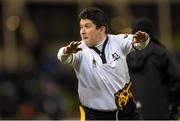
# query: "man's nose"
82 31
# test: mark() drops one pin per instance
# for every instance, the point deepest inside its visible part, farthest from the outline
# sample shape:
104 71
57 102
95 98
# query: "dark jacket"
156 76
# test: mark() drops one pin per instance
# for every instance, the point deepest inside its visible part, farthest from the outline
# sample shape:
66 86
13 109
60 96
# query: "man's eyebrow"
86 24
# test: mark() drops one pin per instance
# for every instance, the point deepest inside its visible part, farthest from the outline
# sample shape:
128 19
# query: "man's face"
89 33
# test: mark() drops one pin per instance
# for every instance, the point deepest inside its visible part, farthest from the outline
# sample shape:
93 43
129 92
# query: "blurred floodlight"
120 25
13 23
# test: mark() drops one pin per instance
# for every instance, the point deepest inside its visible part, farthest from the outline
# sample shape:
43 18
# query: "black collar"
101 54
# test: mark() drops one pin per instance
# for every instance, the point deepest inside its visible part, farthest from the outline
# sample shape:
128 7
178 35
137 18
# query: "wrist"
147 37
65 50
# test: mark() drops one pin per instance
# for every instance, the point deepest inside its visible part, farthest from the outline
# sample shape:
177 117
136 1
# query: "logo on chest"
115 56
94 63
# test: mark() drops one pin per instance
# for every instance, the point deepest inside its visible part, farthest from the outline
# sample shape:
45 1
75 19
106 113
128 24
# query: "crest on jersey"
94 63
115 56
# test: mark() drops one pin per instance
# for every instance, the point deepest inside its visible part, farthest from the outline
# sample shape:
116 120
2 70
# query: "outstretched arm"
65 54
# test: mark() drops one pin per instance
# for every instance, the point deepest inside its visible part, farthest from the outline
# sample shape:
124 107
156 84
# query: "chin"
87 43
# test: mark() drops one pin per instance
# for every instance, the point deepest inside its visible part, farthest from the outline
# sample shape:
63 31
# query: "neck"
101 39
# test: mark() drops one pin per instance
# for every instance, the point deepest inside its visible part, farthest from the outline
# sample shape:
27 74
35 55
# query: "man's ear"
102 29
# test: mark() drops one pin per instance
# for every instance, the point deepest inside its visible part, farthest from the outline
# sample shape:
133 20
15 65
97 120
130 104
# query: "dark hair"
96 15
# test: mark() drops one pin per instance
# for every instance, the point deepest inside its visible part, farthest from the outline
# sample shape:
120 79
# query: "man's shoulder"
119 37
114 38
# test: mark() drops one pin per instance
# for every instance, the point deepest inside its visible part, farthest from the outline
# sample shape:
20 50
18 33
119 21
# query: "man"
155 73
99 61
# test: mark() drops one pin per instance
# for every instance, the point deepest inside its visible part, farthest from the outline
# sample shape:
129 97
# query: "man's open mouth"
85 37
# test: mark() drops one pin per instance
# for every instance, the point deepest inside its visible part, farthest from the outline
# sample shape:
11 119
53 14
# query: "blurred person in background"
156 76
99 61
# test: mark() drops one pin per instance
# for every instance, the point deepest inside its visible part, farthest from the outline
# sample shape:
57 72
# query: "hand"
140 37
72 47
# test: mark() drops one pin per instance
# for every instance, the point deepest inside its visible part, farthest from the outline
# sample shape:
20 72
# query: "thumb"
134 40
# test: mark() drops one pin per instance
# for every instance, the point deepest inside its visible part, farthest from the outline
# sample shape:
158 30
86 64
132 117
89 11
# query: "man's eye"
88 26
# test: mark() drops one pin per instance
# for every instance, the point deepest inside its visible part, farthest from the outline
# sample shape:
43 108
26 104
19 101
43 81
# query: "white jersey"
98 81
